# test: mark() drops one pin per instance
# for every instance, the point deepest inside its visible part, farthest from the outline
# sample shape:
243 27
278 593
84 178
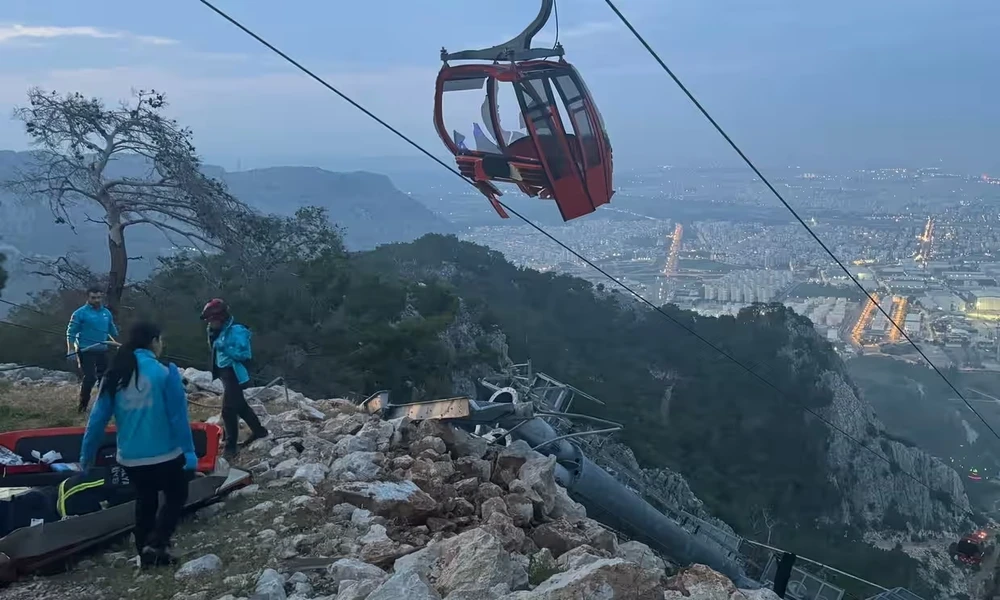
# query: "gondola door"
594 151
557 154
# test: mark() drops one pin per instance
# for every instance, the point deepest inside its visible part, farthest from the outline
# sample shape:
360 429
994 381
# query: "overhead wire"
794 213
564 246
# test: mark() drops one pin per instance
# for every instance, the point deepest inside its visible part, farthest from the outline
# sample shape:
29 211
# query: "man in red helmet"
230 344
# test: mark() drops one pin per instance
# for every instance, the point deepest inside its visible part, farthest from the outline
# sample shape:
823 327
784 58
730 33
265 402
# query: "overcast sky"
820 84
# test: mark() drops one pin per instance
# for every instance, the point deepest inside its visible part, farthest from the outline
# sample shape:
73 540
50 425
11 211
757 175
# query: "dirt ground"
29 407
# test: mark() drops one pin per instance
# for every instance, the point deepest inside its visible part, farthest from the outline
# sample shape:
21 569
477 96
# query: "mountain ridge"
369 208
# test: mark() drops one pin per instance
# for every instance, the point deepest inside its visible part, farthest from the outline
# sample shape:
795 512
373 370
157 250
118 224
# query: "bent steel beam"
516 49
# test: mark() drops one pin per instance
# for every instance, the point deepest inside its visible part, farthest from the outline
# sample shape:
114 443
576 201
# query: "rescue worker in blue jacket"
90 327
230 345
155 445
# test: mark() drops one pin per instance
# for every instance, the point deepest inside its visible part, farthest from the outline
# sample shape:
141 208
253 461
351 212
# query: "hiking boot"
82 407
230 454
259 435
155 557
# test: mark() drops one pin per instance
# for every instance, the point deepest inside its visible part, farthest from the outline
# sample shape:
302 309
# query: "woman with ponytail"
149 405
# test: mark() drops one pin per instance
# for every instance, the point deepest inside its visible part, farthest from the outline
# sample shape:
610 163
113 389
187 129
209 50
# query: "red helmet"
216 308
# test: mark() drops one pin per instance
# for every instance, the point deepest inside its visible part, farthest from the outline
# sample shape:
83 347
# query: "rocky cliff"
347 506
875 494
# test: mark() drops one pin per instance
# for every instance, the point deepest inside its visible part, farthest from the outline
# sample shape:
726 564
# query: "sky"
854 83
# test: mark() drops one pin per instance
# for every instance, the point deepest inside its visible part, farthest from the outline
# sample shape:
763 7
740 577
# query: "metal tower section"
555 398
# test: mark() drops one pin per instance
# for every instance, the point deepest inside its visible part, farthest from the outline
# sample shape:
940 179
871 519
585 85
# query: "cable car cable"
564 246
794 213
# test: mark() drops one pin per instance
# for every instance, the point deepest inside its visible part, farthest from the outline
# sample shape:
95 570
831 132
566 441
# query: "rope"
788 397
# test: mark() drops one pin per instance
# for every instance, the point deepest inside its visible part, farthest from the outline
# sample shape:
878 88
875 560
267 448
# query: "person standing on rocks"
230 345
155 445
90 328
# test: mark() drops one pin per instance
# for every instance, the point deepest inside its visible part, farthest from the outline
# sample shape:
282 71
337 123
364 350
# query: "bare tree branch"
134 163
69 274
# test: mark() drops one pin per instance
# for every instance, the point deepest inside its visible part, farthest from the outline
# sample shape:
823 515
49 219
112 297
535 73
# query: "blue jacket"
231 348
150 413
89 326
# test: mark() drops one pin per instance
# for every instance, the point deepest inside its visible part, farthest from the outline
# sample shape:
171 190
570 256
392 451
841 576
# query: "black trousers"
234 408
93 364
155 524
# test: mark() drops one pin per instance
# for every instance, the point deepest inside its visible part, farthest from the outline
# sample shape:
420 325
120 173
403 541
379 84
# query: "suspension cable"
564 246
794 213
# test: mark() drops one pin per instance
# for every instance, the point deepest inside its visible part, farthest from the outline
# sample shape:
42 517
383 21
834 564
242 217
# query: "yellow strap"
61 501
64 494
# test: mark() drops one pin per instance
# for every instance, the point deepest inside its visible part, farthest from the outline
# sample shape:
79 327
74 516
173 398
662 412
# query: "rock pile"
34 376
421 510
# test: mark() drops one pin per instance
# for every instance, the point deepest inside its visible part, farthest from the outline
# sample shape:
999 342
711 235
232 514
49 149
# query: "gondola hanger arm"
516 49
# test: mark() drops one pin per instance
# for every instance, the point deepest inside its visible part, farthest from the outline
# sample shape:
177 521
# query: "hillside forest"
340 323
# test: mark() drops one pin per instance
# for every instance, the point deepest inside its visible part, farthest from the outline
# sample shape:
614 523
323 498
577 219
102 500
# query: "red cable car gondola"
565 156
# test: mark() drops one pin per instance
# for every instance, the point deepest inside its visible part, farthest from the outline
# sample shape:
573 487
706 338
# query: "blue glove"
190 461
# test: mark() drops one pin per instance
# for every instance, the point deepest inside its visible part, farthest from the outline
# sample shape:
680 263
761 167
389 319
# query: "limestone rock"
378 431
469 466
578 557
539 474
407 584
384 552
489 490
869 487
402 499
559 536
199 567
567 508
474 560
353 443
510 535
458 442
314 473
201 380
640 554
492 505
429 442
598 536
467 487
345 424
354 569
603 579
356 466
270 586
307 411
287 467
357 590
699 582
510 460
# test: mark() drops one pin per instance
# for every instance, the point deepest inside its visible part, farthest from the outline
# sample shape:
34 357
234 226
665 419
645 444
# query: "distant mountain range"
368 206
371 209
